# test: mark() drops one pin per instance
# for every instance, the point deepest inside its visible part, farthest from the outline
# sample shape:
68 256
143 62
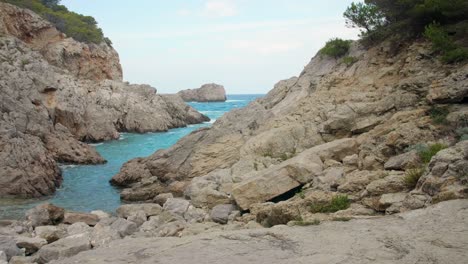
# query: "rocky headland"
210 92
56 93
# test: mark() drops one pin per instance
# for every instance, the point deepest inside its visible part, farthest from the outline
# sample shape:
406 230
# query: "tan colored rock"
392 183
89 219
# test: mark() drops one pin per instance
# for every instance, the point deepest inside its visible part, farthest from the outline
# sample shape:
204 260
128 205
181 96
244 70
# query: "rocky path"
438 234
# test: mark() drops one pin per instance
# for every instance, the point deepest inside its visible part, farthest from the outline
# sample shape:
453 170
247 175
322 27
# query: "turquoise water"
86 187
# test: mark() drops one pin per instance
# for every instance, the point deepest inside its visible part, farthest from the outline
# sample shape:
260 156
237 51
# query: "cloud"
220 8
184 12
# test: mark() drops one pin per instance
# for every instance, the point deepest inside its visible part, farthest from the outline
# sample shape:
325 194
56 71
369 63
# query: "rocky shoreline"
57 93
210 92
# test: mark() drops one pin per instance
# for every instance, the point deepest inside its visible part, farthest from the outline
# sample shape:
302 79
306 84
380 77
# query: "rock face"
56 92
90 61
425 236
206 93
335 128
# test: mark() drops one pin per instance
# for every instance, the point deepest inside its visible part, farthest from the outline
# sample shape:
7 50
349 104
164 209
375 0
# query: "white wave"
67 166
96 144
212 121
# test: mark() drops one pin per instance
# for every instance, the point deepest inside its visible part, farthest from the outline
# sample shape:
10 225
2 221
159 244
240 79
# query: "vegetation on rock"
441 21
412 177
79 27
337 203
336 48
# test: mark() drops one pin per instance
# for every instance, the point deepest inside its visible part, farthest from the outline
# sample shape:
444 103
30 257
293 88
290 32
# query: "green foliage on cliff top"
79 27
444 22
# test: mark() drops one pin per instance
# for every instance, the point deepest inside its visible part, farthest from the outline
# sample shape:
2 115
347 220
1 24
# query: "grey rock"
8 246
139 217
176 205
162 198
403 161
30 244
124 227
220 213
45 214
127 210
50 233
65 247
78 228
206 93
423 231
103 235
100 214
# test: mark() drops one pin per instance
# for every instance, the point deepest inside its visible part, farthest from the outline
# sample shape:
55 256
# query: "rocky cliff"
336 130
206 93
56 92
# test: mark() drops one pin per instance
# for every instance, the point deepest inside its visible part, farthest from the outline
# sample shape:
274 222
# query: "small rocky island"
210 92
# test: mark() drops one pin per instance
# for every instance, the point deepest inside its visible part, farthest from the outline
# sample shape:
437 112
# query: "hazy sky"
245 45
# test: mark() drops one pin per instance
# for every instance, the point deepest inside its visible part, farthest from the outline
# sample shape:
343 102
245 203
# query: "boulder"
3 258
89 219
171 229
103 235
100 214
220 213
195 215
65 247
78 228
45 214
8 246
177 206
50 233
403 161
30 244
392 183
150 209
139 217
124 227
206 93
357 180
162 198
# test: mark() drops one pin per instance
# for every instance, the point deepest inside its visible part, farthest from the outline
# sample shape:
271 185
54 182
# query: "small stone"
100 214
138 217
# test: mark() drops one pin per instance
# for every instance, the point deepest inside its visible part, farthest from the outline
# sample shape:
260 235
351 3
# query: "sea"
86 187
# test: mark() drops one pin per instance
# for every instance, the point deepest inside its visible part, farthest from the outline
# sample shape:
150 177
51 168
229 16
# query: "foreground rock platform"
420 236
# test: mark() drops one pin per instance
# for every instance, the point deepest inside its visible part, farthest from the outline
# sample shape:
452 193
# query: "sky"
245 45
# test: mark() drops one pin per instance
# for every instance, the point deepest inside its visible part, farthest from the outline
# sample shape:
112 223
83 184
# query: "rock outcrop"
89 61
336 129
206 93
47 108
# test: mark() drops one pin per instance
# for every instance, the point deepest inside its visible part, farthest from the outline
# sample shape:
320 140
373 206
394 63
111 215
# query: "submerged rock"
206 93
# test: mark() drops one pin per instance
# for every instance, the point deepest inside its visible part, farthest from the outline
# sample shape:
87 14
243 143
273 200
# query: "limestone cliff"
89 61
329 131
206 93
56 92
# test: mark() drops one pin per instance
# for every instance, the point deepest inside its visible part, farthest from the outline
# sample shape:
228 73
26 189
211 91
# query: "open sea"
86 187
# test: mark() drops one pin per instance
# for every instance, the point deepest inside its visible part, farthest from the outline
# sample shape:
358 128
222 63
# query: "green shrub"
306 223
300 194
443 43
339 202
412 177
349 60
439 114
427 152
462 133
336 48
79 27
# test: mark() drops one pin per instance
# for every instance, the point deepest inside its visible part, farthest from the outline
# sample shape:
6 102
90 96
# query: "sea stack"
210 92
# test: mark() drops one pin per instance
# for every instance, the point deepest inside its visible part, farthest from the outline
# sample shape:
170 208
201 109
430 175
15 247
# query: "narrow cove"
86 187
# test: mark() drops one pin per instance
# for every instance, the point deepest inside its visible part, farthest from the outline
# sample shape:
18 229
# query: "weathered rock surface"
89 61
356 120
89 219
56 92
65 247
425 236
206 93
